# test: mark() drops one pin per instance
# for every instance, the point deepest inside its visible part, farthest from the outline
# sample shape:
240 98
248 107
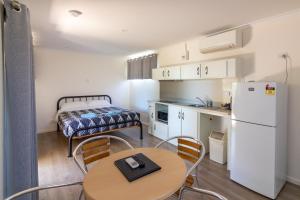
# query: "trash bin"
218 147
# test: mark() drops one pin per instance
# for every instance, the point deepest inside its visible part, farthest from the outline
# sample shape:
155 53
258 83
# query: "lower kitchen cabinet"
160 130
189 123
151 108
174 121
182 121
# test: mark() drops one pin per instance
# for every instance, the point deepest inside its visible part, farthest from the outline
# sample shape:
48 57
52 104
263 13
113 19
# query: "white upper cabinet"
166 73
172 73
172 55
226 68
214 69
219 69
158 74
191 71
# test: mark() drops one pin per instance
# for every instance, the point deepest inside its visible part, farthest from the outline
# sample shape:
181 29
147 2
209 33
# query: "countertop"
216 111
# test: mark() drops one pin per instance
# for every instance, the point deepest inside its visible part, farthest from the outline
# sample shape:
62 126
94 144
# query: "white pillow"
98 103
71 106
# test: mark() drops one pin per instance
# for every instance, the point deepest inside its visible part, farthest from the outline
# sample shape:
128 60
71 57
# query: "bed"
80 117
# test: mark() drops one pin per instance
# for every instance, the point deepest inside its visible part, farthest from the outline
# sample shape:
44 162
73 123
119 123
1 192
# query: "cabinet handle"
152 115
178 115
198 70
206 70
182 115
168 73
163 73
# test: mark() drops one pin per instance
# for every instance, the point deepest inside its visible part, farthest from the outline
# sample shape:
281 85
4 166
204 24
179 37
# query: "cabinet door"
172 73
173 54
191 71
158 74
160 130
174 122
214 69
232 68
151 109
189 124
151 116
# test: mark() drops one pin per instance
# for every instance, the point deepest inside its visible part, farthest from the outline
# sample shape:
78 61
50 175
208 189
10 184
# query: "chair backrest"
93 149
39 188
189 149
200 191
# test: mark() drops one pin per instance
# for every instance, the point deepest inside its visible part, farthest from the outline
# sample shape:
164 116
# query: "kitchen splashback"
213 89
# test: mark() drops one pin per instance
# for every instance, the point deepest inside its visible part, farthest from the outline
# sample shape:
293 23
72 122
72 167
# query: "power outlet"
284 55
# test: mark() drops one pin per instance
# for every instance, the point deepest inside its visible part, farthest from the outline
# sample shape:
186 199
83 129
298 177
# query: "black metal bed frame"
87 97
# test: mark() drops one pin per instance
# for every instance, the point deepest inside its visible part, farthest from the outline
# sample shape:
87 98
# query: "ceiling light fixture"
75 13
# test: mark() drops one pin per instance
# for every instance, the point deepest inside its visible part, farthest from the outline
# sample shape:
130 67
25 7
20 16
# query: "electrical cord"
285 57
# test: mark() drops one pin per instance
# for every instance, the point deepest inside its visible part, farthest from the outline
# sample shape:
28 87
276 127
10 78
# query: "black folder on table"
133 174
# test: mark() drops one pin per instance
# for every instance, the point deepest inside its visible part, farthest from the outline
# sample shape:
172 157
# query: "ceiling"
128 26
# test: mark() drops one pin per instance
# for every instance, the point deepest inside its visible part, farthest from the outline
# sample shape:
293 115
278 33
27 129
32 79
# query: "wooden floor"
55 167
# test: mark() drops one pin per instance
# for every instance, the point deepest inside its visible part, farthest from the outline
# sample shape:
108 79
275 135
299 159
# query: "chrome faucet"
205 104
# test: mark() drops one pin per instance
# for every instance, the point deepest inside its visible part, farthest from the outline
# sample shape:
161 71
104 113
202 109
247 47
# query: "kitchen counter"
216 111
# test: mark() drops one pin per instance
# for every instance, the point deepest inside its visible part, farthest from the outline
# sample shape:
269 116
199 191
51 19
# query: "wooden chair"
191 150
40 188
200 191
94 149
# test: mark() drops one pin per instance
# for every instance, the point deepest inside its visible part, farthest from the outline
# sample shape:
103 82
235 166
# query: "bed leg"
70 143
141 130
57 128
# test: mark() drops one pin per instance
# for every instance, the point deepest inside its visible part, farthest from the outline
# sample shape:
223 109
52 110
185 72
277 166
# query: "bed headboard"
80 98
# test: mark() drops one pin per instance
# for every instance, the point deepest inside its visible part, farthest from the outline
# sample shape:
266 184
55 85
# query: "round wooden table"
105 182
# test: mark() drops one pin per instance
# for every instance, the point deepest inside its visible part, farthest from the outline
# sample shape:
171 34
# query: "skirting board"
293 180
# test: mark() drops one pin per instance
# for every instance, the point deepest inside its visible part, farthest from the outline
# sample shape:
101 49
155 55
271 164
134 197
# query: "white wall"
141 91
62 73
264 41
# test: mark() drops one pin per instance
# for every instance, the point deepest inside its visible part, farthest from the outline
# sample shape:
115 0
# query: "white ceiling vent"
223 41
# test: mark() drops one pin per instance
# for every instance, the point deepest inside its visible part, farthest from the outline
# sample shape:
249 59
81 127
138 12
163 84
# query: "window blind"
141 68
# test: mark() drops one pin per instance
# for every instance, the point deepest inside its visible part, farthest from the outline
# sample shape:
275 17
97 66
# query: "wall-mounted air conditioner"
223 41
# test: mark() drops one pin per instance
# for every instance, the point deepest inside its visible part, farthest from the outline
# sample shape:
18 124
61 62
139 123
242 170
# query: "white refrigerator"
259 136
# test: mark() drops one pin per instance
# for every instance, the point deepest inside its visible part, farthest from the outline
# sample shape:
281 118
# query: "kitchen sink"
197 105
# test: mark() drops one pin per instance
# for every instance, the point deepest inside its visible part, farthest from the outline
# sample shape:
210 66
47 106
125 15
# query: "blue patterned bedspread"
71 121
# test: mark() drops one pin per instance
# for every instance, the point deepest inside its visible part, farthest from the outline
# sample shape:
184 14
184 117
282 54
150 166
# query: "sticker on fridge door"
270 90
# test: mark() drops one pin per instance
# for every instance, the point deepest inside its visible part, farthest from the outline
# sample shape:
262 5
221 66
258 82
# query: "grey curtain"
20 147
141 68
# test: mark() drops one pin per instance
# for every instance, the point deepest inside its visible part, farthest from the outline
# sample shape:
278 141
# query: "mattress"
110 118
